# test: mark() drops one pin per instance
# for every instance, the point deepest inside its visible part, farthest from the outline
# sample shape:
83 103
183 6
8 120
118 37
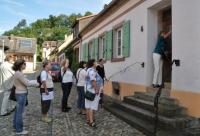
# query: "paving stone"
65 124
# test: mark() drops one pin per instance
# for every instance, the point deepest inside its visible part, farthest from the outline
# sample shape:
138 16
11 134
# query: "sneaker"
46 119
14 129
6 114
24 132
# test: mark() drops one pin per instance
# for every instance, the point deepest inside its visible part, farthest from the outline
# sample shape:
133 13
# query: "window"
25 43
119 42
102 48
90 50
118 46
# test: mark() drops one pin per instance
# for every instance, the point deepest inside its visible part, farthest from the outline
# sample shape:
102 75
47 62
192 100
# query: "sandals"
81 113
93 124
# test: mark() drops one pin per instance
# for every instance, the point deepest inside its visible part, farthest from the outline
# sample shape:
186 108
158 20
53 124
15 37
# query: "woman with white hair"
67 79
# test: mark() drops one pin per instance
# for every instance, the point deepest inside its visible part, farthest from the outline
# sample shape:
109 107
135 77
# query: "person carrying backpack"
80 76
46 90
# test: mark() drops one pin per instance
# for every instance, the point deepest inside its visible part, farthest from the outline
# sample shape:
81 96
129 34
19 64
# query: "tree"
88 13
52 21
21 24
72 19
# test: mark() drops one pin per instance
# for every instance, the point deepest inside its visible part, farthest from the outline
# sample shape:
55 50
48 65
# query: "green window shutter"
104 50
109 43
93 49
126 39
96 48
83 52
86 52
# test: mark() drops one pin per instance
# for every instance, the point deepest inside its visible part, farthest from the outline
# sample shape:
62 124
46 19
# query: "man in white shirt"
6 83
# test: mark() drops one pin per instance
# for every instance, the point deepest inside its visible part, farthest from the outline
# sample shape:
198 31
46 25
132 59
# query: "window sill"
118 59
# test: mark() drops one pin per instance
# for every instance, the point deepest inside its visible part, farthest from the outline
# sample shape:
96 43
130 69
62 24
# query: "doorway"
166 25
159 18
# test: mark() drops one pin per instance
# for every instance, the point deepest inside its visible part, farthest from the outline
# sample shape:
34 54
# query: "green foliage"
88 13
52 29
21 24
38 53
73 64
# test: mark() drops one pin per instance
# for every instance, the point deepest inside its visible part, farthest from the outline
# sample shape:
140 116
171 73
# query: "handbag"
89 95
12 94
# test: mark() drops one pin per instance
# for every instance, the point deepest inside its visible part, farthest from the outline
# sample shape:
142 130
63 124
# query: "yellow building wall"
125 90
188 99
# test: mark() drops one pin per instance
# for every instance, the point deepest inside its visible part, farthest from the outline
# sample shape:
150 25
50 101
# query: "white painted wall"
186 44
1 55
29 66
136 74
142 43
34 61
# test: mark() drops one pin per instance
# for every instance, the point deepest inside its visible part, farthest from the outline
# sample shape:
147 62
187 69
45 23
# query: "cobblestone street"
65 124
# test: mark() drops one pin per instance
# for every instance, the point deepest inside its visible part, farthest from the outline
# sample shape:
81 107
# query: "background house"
22 47
48 47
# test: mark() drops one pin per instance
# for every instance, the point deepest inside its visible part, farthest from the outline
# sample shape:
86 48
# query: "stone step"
193 131
168 85
165 91
151 96
139 123
143 126
168 111
164 122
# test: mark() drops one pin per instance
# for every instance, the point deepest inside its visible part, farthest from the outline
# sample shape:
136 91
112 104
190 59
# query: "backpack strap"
78 74
61 75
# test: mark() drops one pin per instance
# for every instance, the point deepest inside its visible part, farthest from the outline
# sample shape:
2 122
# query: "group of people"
90 78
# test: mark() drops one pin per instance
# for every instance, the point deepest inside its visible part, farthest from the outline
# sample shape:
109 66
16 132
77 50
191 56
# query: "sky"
12 11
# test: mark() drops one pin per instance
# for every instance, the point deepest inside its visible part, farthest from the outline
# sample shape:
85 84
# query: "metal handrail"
156 103
125 69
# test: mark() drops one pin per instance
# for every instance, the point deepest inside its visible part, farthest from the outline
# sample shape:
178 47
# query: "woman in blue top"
158 58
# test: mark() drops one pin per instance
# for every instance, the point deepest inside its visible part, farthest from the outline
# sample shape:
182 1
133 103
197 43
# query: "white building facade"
125 34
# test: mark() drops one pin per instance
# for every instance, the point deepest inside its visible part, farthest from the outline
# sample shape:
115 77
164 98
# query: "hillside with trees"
52 28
